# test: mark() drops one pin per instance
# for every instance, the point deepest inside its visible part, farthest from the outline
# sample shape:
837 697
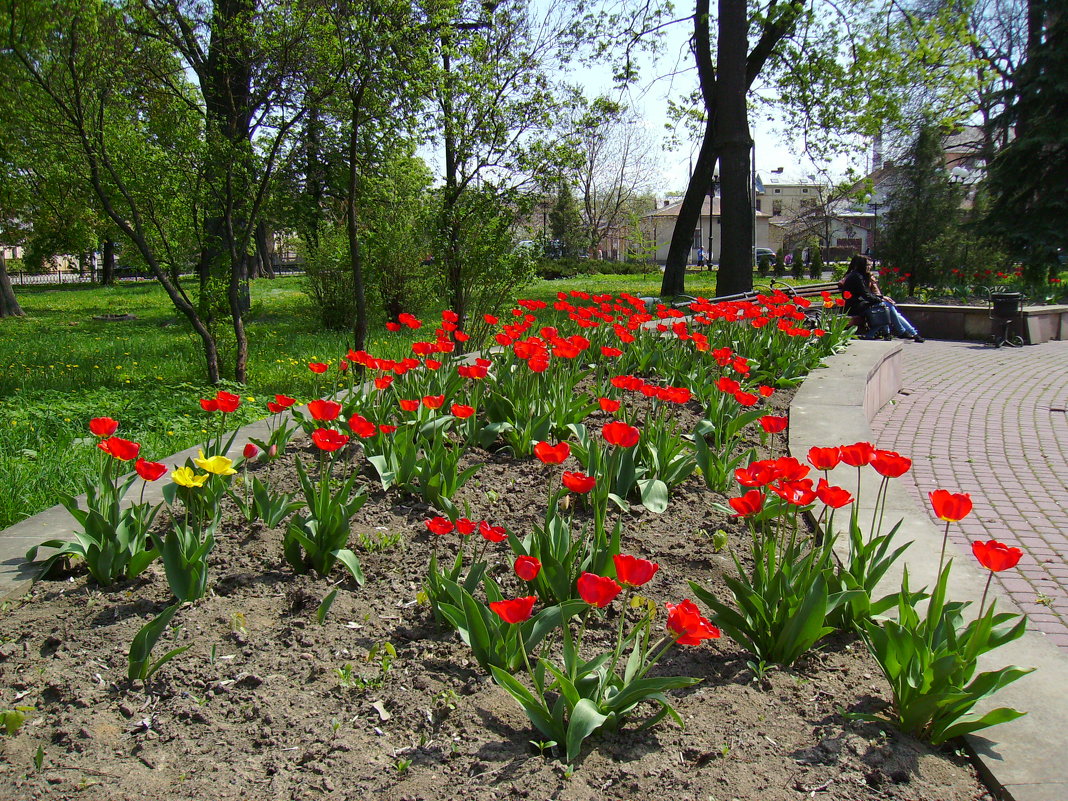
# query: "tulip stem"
982 603
942 557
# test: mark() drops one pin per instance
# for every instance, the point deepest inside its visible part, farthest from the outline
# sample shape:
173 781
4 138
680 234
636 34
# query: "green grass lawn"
59 367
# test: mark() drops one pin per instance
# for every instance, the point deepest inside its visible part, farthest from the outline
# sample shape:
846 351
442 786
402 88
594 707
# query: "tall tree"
723 87
1026 178
923 205
492 105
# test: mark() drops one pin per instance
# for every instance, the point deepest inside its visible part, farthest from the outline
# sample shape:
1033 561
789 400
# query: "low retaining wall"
1037 324
1023 758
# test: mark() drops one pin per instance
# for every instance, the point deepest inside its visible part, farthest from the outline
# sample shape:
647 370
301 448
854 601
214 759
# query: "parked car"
764 257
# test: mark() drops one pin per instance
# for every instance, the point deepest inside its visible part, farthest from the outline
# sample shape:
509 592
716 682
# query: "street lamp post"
711 202
874 206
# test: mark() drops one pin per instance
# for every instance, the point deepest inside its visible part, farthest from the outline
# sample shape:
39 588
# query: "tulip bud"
250 451
272 451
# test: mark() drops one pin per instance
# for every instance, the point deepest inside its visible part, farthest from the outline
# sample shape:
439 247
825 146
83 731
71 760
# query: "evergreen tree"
924 203
565 222
1026 181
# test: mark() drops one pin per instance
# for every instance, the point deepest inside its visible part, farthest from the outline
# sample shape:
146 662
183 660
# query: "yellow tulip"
185 477
219 465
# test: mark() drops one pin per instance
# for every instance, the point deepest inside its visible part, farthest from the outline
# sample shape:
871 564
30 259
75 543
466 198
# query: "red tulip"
150 471
284 401
250 451
620 434
552 454
789 468
634 572
756 475
515 611
466 527
490 319
209 404
689 627
608 405
121 449
578 482
385 428
227 401
857 454
439 526
996 556
773 425
527 568
950 506
323 410
362 427
748 504
433 401
318 367
409 405
597 590
492 533
834 497
766 392
824 458
393 327
103 426
275 408
462 411
890 463
746 398
383 382
327 439
796 493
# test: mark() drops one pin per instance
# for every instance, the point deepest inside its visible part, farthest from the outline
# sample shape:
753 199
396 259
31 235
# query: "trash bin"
1004 318
1005 305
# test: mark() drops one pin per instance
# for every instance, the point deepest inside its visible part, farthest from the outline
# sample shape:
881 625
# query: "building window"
758 208
804 191
697 239
776 208
778 191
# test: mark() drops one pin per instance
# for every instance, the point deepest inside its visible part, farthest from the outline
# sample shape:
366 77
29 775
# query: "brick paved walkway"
992 423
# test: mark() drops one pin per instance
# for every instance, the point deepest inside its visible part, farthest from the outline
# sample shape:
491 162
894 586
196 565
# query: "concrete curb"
834 406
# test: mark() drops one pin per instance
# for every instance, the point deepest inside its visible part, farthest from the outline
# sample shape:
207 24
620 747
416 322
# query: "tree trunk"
9 304
107 271
359 321
674 282
450 222
689 218
265 268
734 144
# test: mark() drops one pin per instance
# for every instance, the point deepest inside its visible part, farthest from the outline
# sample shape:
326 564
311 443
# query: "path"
993 423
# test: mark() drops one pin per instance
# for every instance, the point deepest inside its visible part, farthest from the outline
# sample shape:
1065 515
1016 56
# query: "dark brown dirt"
256 709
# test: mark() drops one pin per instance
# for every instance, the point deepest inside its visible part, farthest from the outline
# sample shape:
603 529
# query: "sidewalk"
992 423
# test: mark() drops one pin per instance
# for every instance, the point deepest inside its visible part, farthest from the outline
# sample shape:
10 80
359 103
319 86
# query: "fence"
57 278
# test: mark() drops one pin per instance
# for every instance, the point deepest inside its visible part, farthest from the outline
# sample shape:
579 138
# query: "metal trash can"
1005 309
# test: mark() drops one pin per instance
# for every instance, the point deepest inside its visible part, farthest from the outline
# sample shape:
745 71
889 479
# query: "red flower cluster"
225 402
280 403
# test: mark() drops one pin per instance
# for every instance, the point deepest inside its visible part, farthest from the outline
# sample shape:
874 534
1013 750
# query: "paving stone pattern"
992 422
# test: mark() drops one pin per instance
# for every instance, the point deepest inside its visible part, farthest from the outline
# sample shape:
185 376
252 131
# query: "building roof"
672 210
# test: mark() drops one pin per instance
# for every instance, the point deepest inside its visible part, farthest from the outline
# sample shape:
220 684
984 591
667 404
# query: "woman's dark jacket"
860 295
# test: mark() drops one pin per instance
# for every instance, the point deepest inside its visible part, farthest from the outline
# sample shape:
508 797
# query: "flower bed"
321 665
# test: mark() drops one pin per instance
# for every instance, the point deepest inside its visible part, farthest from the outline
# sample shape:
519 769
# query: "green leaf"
655 494
324 607
351 561
586 718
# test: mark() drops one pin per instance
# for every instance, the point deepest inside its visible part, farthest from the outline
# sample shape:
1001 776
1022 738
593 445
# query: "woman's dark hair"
859 264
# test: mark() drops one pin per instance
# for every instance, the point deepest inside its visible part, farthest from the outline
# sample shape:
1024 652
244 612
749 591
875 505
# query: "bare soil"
257 709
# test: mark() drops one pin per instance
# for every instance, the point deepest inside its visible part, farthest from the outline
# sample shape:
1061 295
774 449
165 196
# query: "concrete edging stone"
1024 758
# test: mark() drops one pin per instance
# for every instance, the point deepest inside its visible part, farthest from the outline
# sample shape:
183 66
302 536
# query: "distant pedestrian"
700 256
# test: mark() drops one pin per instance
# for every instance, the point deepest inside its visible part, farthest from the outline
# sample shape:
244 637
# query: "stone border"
1024 759
1037 324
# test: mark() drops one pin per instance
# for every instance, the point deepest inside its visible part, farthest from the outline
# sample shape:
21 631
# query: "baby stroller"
876 319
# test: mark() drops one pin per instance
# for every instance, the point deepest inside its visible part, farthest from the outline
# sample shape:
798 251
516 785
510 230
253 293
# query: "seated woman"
864 291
